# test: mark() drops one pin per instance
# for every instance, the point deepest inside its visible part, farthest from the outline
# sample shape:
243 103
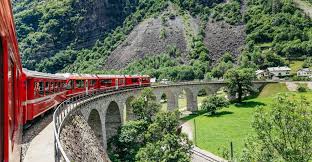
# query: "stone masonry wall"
80 142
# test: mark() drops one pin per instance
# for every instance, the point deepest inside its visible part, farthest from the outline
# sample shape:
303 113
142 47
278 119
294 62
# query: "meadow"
233 124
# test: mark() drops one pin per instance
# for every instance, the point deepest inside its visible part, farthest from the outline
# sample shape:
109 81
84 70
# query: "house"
278 72
261 75
306 72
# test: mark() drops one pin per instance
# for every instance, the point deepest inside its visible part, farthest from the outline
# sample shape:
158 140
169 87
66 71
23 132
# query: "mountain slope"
152 37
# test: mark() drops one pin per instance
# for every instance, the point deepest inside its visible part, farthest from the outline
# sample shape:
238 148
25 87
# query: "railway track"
200 156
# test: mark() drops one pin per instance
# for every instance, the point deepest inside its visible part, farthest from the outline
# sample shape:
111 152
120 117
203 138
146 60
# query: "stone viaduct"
105 114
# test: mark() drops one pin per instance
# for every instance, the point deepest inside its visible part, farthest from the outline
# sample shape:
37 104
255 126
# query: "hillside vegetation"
174 39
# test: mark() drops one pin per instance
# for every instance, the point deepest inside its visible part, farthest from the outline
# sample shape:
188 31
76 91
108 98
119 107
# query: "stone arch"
129 115
191 99
172 99
94 121
112 119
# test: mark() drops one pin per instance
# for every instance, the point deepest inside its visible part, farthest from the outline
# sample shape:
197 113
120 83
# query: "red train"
43 91
25 94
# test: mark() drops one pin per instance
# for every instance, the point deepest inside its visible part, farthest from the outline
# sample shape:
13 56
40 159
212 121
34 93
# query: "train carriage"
43 92
106 82
10 84
145 80
80 83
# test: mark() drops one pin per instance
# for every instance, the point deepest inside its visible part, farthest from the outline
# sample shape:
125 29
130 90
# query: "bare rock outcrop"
222 37
151 37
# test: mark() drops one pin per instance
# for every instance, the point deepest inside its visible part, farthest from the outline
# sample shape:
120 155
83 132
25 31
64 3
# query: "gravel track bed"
37 126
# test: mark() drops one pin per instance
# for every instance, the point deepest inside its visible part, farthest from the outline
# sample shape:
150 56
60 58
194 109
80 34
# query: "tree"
239 81
145 106
171 147
164 144
227 57
213 103
152 136
219 70
307 62
283 131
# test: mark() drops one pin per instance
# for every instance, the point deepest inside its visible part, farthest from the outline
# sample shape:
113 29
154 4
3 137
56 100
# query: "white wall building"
260 74
278 72
306 72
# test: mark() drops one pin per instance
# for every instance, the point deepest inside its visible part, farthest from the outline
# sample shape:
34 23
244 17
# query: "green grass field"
233 124
273 89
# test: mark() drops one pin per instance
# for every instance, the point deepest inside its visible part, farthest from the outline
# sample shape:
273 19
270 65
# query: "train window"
56 87
134 80
41 88
64 86
80 83
59 84
70 85
1 101
51 87
47 88
92 83
121 81
106 82
36 89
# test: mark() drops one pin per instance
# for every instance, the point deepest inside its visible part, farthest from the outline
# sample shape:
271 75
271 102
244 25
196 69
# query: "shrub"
213 103
301 88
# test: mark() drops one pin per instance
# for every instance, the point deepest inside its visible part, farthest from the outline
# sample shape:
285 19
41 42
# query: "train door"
1 103
11 106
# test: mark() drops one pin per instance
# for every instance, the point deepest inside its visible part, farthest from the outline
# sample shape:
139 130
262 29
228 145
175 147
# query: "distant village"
283 73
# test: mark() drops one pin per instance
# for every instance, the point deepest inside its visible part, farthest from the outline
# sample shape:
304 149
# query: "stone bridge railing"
111 108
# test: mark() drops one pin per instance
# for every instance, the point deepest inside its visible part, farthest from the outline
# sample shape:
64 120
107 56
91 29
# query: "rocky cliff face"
100 17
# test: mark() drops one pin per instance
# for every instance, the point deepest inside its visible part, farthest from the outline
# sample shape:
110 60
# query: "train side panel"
42 95
10 105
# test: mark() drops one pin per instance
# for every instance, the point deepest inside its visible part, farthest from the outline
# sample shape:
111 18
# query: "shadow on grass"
199 113
218 114
249 104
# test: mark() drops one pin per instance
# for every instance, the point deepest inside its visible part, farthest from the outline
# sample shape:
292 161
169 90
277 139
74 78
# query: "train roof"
77 76
36 74
110 76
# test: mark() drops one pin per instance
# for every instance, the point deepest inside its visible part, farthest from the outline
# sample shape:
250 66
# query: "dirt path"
291 86
310 85
305 6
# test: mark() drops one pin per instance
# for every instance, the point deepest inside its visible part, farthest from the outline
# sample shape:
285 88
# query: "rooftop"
283 68
305 70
